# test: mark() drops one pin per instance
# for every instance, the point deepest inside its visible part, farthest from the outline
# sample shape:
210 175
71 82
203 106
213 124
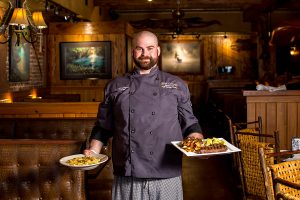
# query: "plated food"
85 160
209 145
203 147
82 162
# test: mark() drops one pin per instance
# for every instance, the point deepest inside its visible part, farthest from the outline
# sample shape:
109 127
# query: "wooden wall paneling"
251 111
261 110
3 70
279 110
118 55
91 93
270 121
45 110
51 53
281 120
292 122
89 28
218 51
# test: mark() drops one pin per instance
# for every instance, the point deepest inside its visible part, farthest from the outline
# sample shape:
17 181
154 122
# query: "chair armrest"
285 196
287 183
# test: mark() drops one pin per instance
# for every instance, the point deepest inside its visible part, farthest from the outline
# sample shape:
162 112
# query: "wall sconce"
19 20
295 45
294 51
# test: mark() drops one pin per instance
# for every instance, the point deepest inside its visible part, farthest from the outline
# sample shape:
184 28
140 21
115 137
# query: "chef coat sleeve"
189 123
195 128
102 129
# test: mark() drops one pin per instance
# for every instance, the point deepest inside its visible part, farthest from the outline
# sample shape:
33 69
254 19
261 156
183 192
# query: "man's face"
146 52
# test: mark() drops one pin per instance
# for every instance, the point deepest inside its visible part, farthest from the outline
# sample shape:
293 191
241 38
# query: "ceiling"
251 10
157 5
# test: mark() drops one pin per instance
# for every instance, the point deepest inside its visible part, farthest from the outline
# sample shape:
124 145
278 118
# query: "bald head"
147 36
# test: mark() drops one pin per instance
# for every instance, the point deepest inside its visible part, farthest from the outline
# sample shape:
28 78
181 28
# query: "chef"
143 112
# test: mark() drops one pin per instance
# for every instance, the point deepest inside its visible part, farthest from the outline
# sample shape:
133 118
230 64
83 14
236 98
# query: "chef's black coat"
144 113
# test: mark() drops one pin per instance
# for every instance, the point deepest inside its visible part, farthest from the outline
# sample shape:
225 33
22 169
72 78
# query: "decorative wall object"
181 56
19 64
85 60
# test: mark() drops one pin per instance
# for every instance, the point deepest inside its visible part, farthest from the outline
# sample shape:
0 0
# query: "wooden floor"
210 179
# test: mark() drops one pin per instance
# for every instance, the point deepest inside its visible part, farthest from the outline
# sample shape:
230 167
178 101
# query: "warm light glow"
38 20
33 94
1 14
294 51
227 51
7 98
19 17
18 20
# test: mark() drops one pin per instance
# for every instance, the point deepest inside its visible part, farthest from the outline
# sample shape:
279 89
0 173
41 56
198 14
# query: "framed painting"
19 60
181 56
85 60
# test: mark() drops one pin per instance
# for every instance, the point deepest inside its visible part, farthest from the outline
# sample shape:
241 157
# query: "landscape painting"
85 60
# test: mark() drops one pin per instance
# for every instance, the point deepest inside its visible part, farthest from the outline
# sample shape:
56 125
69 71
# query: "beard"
143 64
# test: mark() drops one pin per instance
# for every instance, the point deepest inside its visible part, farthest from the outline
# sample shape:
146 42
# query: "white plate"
294 157
103 158
231 149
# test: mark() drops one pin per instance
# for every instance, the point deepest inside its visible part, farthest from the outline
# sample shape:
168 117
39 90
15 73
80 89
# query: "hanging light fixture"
19 20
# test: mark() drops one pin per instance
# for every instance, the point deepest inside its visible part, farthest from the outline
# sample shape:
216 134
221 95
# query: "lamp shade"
19 17
1 14
38 20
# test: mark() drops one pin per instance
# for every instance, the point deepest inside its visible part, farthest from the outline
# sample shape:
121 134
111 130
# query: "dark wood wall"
237 49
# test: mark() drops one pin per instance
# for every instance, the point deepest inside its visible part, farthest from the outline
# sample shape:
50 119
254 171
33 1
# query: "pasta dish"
86 160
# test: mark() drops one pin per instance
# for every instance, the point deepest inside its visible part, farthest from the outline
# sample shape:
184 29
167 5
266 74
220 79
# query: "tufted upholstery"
46 128
56 129
30 169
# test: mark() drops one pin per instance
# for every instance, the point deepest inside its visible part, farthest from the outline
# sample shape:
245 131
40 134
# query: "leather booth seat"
30 169
38 157
46 128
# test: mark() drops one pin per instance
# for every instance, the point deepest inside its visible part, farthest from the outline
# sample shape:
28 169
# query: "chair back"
255 126
249 163
282 180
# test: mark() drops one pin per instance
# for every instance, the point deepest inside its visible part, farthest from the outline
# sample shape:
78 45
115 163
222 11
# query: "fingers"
88 152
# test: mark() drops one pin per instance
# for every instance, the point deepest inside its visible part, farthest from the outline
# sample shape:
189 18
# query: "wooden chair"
254 127
249 163
244 127
282 180
249 127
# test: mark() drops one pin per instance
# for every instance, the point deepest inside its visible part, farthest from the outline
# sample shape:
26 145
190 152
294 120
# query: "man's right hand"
95 148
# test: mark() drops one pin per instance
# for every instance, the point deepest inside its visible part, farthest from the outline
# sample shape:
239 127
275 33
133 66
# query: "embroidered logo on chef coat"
122 88
169 85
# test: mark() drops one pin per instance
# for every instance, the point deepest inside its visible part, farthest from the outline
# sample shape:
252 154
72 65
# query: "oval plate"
103 158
